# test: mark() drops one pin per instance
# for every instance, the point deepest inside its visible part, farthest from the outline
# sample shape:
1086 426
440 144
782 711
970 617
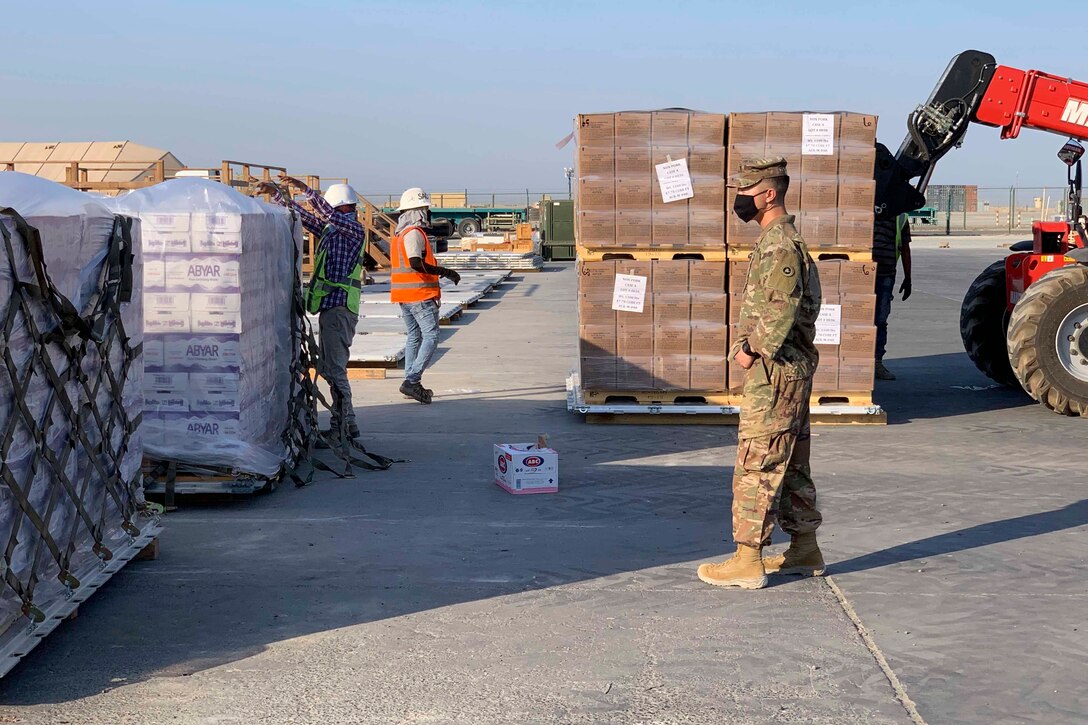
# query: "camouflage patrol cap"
753 171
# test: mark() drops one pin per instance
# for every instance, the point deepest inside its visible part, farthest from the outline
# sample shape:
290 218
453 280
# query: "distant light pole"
569 173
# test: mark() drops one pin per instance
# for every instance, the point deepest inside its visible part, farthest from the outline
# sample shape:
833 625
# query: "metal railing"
999 210
474 199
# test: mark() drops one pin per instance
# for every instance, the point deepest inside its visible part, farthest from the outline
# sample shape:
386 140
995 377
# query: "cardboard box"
826 378
672 339
522 468
708 373
596 341
596 162
596 129
597 194
635 341
747 128
633 129
706 228
596 309
709 194
738 276
598 373
596 228
706 277
856 229
856 375
857 309
706 129
661 154
857 129
672 372
819 194
709 309
671 276
739 153
857 195
634 162
857 163
634 227
633 194
857 341
212 322
637 267
669 128
670 223
707 162
737 233
819 228
710 340
785 129
829 278
819 166
635 373
672 309
857 277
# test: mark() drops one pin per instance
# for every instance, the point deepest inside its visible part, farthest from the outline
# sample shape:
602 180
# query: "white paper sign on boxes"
522 468
219 290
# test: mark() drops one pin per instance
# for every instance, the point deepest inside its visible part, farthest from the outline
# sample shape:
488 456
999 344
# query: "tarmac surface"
956 538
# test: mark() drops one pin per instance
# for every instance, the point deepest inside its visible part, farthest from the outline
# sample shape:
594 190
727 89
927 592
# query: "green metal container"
557 220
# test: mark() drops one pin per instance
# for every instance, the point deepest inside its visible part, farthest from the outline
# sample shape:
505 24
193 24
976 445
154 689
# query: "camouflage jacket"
781 301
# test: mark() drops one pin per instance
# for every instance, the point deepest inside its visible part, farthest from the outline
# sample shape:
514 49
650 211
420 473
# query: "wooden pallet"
363 371
732 398
449 320
645 254
743 253
732 419
654 397
172 480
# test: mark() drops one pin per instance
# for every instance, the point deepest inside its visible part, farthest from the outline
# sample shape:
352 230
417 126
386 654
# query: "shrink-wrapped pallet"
219 286
70 392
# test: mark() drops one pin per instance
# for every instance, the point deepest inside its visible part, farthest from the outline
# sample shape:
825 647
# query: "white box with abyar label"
217 242
166 321
205 301
525 468
203 273
203 352
213 322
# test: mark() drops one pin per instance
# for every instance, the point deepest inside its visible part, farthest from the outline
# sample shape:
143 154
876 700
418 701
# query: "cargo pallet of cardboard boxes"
668 362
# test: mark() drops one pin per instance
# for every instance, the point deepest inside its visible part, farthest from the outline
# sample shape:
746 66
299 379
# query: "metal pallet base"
90 581
725 414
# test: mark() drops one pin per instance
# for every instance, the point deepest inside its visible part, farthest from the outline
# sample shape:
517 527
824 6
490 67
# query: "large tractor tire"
983 321
1048 340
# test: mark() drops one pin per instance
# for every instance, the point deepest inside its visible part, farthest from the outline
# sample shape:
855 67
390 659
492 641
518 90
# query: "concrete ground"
957 537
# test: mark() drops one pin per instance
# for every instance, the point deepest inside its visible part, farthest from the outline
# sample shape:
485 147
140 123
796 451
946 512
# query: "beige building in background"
99 161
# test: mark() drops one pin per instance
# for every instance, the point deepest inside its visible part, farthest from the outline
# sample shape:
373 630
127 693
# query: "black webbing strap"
73 357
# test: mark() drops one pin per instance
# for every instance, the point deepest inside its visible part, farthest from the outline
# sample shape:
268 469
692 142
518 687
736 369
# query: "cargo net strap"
71 491
303 434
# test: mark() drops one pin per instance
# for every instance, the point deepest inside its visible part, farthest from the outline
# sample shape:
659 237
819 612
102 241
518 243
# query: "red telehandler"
1024 320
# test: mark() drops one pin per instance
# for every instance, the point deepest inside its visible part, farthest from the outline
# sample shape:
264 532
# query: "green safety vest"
321 285
900 222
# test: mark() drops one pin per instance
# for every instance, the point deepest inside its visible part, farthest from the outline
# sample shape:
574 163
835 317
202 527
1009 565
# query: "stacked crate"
680 339
830 159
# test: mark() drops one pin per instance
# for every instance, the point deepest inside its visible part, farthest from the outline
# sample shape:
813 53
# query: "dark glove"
905 289
451 275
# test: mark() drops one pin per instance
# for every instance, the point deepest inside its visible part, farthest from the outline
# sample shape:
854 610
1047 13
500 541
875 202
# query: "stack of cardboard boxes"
830 159
679 340
620 203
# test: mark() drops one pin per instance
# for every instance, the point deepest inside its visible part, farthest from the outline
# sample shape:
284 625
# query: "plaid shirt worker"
345 241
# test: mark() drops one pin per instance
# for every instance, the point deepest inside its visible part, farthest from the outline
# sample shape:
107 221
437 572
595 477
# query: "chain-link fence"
989 210
475 199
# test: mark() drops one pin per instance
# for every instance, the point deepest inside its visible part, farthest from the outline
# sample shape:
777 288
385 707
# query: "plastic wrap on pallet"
70 394
219 286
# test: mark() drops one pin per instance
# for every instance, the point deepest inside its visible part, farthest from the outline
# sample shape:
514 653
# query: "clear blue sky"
475 95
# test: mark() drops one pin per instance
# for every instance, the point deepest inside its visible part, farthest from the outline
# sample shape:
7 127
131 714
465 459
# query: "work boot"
744 569
883 373
415 391
802 557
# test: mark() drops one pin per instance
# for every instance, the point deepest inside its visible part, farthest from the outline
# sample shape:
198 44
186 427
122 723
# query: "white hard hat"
414 198
341 194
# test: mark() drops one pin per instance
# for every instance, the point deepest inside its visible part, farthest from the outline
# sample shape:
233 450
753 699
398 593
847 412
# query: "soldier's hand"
905 289
745 360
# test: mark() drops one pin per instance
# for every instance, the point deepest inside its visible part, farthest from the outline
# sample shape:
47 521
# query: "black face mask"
745 207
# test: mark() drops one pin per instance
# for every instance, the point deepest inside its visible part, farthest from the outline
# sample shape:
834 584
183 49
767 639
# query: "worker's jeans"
421 322
337 331
885 291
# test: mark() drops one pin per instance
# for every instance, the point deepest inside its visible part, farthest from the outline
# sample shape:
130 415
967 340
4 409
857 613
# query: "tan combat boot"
744 569
802 557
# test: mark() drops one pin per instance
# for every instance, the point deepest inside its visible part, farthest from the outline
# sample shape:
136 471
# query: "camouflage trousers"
772 480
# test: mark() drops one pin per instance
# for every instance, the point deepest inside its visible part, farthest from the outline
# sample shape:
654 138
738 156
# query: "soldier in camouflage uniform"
775 344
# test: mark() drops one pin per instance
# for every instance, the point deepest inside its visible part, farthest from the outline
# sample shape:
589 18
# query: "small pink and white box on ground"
522 468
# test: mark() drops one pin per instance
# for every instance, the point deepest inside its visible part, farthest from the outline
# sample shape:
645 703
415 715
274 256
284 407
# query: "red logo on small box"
534 462
502 463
